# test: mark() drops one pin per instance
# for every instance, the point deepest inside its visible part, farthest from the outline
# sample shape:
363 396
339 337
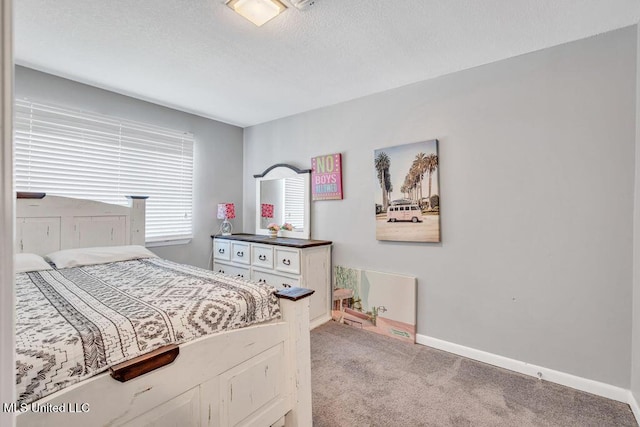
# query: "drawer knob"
240 254
286 261
220 251
262 257
285 285
221 271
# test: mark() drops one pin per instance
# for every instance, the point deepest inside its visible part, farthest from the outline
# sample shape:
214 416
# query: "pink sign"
326 177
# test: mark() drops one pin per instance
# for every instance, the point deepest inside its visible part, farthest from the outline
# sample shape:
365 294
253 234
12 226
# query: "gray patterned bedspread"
74 323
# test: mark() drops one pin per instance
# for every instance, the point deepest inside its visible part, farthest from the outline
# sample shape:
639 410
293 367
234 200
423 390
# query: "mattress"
74 323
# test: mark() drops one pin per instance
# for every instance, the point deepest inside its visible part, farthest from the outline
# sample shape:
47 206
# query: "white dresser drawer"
231 270
287 260
221 249
240 252
274 280
279 266
262 256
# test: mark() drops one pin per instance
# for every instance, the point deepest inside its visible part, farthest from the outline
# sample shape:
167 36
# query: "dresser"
282 263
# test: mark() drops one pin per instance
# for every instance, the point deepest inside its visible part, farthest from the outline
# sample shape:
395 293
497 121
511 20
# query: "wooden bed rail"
144 363
162 356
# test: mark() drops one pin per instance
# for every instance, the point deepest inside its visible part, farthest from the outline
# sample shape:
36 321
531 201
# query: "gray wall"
635 354
537 185
218 151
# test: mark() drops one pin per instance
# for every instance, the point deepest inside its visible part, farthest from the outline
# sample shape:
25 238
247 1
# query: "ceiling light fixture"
257 11
303 4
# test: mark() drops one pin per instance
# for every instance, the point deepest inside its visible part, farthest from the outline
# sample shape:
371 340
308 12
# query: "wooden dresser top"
277 241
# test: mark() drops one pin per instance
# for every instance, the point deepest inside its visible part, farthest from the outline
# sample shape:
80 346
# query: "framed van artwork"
407 194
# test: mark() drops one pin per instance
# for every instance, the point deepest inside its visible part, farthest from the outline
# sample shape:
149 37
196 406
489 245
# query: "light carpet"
361 378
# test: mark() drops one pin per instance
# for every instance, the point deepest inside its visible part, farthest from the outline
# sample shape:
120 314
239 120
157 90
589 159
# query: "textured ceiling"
199 56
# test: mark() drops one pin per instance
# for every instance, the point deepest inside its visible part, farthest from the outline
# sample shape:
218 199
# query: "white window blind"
88 156
294 200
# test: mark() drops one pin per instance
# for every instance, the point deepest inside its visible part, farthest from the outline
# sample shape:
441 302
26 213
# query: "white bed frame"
258 375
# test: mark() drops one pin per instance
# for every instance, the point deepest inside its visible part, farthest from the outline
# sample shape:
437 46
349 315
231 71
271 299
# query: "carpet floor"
361 378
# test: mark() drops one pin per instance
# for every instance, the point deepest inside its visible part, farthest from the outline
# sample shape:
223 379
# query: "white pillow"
30 262
102 255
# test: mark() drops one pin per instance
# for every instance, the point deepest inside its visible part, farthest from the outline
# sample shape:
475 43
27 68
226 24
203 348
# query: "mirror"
283 196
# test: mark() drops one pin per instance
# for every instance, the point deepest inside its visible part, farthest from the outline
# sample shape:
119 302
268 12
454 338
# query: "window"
88 156
294 201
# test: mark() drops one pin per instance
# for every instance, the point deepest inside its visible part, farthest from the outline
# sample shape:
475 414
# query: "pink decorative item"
326 177
226 211
266 210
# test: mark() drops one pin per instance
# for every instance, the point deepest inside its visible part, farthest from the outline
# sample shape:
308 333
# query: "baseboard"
319 321
633 403
590 386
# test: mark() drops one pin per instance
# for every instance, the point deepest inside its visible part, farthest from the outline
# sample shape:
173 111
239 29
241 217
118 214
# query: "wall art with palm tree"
407 194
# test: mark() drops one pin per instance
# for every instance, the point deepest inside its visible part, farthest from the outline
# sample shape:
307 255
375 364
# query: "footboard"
259 375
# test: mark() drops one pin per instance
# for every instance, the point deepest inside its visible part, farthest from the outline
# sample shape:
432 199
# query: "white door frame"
7 329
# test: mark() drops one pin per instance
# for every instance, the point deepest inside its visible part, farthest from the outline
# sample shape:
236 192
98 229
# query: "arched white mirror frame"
283 171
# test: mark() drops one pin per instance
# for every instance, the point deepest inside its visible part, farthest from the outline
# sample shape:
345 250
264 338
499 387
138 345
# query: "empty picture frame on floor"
407 194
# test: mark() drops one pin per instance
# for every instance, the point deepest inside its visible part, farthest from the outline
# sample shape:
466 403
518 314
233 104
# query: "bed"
250 366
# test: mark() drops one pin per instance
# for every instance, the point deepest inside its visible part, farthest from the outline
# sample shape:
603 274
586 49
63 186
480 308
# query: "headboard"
51 223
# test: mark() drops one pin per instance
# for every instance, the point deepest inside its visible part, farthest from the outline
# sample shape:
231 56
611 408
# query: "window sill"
168 243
